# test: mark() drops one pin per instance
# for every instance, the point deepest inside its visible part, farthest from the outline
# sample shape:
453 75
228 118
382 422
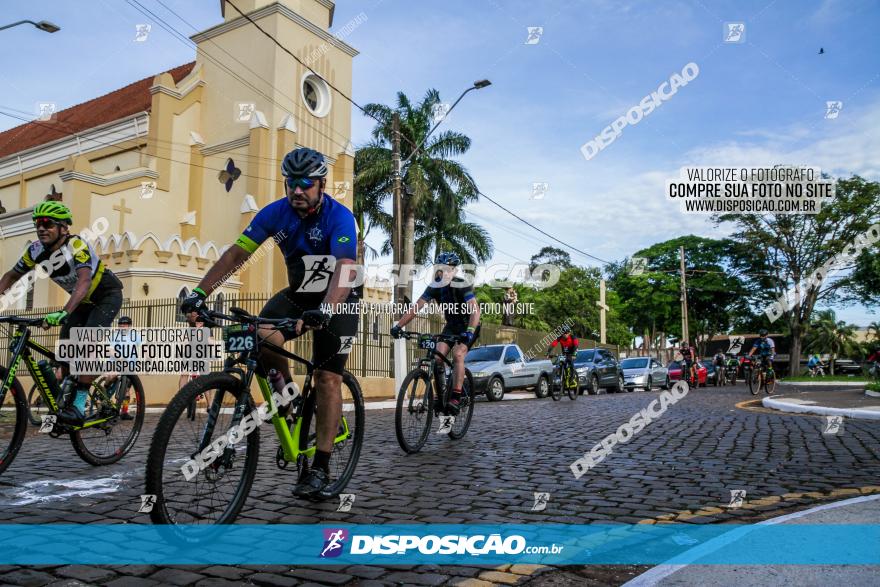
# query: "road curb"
783 406
656 574
824 383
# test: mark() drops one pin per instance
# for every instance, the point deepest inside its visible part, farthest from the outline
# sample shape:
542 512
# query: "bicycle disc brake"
280 461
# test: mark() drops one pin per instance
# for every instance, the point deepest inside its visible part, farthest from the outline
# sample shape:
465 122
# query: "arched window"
181 295
219 302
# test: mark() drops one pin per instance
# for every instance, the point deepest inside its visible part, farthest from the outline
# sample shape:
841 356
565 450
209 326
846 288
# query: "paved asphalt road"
681 467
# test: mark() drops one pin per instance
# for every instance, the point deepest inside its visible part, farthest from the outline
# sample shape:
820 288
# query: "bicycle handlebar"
21 320
454 338
243 317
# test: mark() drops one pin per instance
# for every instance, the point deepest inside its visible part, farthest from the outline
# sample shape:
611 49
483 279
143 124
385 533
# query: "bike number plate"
239 338
427 344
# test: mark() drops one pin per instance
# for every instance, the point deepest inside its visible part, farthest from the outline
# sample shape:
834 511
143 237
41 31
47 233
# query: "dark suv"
598 369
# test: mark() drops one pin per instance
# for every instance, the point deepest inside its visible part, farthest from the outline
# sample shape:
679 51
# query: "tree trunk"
794 355
409 245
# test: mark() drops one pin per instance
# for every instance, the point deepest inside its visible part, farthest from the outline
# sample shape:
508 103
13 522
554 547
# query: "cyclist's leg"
332 346
281 305
98 314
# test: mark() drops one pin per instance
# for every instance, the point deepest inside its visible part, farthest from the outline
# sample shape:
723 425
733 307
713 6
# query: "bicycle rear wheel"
106 443
188 492
466 408
415 411
13 422
36 406
349 437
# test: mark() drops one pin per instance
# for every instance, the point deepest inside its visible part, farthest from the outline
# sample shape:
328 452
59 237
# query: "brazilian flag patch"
343 239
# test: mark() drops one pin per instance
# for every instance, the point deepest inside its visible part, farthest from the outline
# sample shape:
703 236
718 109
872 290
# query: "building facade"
179 163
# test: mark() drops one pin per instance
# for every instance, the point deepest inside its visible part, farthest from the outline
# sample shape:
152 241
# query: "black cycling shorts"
332 344
460 329
97 312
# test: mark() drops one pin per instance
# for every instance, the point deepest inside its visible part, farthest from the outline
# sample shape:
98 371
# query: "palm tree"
368 211
433 180
875 328
826 333
447 230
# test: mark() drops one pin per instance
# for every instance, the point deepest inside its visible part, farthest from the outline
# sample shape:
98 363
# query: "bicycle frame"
23 345
289 441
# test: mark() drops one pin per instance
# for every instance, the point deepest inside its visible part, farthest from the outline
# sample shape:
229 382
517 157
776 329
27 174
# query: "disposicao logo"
334 539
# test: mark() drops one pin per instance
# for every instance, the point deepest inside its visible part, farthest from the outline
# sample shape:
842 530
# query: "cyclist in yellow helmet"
95 292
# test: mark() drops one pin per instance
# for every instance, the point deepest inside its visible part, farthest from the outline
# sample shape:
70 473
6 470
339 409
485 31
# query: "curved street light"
43 25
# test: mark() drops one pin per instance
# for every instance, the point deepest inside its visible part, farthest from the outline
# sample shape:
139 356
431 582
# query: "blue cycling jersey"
765 346
331 231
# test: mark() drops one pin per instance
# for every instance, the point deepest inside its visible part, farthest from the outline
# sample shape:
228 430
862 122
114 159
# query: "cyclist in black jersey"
95 292
462 313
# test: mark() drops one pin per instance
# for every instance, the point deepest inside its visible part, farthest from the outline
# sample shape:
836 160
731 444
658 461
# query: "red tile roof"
123 102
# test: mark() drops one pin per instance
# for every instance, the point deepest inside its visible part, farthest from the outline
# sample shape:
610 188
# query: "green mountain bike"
209 413
114 415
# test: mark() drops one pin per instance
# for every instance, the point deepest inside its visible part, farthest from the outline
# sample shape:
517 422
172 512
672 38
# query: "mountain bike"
103 438
416 404
762 377
215 491
568 379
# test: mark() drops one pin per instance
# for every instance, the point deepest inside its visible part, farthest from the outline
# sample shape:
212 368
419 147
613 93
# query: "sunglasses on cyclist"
45 223
303 182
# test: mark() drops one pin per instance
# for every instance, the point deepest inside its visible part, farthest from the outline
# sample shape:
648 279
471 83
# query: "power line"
526 222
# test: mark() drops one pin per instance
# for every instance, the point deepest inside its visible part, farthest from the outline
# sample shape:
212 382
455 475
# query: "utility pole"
397 209
603 307
684 300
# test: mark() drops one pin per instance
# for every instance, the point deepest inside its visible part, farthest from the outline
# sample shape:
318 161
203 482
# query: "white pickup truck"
499 367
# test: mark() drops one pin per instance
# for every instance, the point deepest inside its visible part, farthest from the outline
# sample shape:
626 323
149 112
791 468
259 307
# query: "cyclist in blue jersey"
318 239
462 314
765 347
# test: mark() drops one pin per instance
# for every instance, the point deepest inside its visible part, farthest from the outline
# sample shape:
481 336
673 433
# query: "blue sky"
761 102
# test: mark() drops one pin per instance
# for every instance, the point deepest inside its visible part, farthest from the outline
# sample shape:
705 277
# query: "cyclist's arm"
9 279
230 260
475 313
410 314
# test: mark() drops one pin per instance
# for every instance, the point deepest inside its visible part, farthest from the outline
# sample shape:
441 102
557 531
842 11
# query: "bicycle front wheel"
415 411
754 381
770 383
349 436
209 485
573 385
556 390
466 408
13 422
124 405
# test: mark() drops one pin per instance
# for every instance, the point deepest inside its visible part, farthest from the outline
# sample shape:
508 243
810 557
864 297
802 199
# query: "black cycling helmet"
304 162
123 320
565 329
763 332
448 258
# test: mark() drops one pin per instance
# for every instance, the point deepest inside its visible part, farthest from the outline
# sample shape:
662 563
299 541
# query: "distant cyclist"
719 361
462 319
689 359
765 347
95 292
569 345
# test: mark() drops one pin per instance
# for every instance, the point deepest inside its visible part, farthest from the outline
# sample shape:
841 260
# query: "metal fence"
371 354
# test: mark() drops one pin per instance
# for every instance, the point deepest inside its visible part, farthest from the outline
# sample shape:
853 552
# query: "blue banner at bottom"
441 544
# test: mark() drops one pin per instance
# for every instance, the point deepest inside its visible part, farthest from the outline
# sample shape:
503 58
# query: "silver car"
644 373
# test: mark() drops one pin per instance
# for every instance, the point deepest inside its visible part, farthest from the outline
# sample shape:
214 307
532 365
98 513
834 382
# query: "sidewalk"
847 402
859 510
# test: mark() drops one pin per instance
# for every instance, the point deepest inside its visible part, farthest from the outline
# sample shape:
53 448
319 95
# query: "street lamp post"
403 288
43 25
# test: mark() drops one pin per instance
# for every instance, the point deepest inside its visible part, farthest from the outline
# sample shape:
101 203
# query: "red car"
674 370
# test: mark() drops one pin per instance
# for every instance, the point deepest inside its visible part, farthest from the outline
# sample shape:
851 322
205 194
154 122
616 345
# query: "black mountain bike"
193 485
568 379
416 403
762 377
105 436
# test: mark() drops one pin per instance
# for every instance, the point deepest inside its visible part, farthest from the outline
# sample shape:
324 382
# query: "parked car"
598 369
499 367
847 367
674 370
712 374
644 372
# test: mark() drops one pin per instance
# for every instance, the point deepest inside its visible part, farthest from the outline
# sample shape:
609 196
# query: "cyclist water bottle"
49 375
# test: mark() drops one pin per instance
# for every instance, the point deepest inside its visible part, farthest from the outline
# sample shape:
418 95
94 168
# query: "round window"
316 94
